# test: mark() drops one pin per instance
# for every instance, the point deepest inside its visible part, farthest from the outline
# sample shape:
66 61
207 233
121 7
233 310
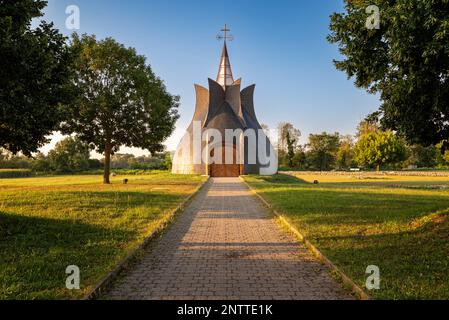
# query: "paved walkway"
226 246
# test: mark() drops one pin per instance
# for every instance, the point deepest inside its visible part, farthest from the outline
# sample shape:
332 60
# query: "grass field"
399 223
48 223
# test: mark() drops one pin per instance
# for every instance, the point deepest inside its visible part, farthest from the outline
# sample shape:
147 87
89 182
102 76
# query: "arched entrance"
224 169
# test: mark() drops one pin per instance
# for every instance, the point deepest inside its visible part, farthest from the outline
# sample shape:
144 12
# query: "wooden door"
223 169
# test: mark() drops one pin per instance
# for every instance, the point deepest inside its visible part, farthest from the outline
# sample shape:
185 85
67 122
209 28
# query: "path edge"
354 288
103 285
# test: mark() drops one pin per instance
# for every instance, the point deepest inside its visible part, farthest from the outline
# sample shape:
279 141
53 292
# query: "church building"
208 147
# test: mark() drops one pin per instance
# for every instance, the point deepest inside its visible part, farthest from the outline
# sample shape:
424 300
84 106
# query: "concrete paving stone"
225 245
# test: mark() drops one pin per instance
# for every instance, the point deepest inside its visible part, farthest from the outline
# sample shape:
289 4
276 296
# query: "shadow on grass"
88 199
380 182
413 264
355 228
413 185
53 230
34 253
323 206
280 178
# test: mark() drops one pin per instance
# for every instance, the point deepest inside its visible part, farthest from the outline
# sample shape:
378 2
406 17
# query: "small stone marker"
316 182
125 181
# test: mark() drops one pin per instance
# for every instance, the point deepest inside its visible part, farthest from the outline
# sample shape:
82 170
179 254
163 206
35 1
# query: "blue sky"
279 45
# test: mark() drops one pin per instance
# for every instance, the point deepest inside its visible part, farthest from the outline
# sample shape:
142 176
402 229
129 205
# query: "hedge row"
433 173
15 173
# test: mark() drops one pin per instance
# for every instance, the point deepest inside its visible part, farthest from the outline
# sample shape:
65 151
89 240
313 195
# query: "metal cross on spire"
224 76
225 35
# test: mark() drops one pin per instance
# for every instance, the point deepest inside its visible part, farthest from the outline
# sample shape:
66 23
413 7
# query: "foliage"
290 148
94 164
10 161
122 161
422 157
35 72
122 103
154 162
442 155
128 161
345 153
405 61
69 155
168 161
322 150
139 172
299 158
72 155
367 126
15 173
288 142
41 166
376 149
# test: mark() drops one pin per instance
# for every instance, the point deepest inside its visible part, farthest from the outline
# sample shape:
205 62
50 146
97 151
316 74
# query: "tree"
8 160
345 153
41 163
291 142
95 164
406 61
422 157
299 160
442 156
168 161
122 161
122 102
69 155
285 128
376 149
322 150
366 126
287 142
35 71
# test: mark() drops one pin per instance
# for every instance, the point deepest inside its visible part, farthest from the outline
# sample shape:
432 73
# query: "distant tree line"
371 148
158 161
72 155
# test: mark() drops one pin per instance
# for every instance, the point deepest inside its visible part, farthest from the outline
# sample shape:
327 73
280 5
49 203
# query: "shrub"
15 173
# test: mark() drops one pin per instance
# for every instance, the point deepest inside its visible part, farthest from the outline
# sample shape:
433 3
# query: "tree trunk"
107 164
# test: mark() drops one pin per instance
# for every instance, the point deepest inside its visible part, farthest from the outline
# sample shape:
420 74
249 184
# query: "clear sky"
279 45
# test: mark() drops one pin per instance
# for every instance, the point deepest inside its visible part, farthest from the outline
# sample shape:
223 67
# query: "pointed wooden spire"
224 76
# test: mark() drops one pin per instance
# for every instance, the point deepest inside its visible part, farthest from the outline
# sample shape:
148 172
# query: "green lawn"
48 223
399 223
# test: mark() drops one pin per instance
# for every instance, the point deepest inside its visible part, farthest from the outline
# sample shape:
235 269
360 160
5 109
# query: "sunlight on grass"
399 223
48 223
